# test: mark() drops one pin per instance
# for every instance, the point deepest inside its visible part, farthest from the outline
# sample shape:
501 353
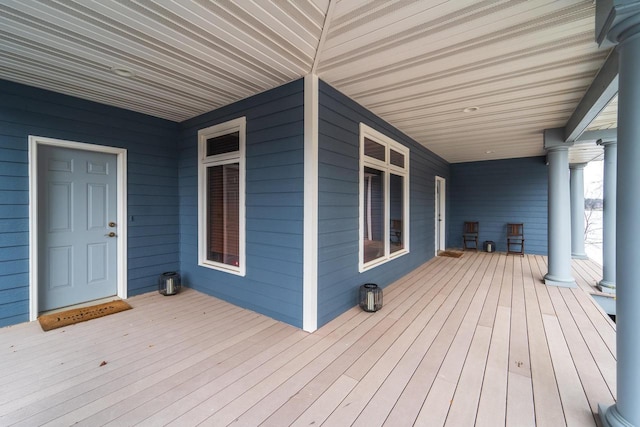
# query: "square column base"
551 280
579 256
610 417
606 287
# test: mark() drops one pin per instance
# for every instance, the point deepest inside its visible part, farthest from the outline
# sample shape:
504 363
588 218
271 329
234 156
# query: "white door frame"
121 159
443 213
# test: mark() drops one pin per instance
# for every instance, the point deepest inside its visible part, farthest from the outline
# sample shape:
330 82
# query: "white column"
627 231
620 22
559 225
310 211
577 211
608 282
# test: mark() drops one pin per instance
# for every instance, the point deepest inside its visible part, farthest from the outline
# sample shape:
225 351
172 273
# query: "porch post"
559 226
619 22
608 282
577 211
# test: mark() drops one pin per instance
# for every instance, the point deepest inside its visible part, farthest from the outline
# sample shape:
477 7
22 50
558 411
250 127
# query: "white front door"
440 214
77 226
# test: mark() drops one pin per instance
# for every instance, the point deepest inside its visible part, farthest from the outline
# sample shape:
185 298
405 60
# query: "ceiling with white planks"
522 65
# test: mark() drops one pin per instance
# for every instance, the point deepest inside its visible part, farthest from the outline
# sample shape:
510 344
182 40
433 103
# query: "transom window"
221 196
384 198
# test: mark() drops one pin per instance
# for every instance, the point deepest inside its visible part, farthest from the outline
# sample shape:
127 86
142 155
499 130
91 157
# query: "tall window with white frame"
384 198
221 196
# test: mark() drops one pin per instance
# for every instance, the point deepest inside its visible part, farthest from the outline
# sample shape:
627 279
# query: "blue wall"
338 247
162 197
152 180
274 201
495 193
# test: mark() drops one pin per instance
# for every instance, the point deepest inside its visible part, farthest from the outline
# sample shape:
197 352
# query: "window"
221 205
384 198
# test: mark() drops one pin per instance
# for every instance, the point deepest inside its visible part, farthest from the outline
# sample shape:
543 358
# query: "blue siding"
495 193
153 183
338 276
274 201
162 197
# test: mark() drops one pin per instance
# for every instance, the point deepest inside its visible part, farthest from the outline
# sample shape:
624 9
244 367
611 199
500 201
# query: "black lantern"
169 283
370 297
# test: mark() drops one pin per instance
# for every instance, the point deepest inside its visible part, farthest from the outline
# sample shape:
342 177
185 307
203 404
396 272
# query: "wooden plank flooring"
477 340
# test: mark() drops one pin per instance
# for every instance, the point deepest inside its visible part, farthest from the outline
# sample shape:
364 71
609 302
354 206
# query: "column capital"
616 20
577 165
606 143
554 140
557 148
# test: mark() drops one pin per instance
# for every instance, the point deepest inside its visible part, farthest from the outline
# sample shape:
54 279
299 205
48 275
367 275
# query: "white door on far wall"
77 226
440 214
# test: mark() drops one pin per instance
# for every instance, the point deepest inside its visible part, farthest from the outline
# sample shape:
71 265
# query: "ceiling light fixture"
122 72
489 152
470 109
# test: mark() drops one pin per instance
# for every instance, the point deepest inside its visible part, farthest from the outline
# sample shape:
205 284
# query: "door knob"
112 224
112 234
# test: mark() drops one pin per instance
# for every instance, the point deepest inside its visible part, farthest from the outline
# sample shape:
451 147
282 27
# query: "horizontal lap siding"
274 205
498 192
338 210
152 183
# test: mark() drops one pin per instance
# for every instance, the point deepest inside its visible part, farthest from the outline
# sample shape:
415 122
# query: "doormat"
452 254
77 315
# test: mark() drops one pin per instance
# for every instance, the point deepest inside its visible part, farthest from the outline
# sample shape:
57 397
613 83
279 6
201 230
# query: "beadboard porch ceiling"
417 64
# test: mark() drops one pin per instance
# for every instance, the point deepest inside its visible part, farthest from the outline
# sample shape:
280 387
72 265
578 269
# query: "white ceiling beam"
603 88
594 135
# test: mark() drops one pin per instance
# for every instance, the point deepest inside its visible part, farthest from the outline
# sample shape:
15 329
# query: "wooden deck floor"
477 340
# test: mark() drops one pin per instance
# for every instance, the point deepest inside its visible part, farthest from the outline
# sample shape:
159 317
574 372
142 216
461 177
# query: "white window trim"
237 125
387 168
